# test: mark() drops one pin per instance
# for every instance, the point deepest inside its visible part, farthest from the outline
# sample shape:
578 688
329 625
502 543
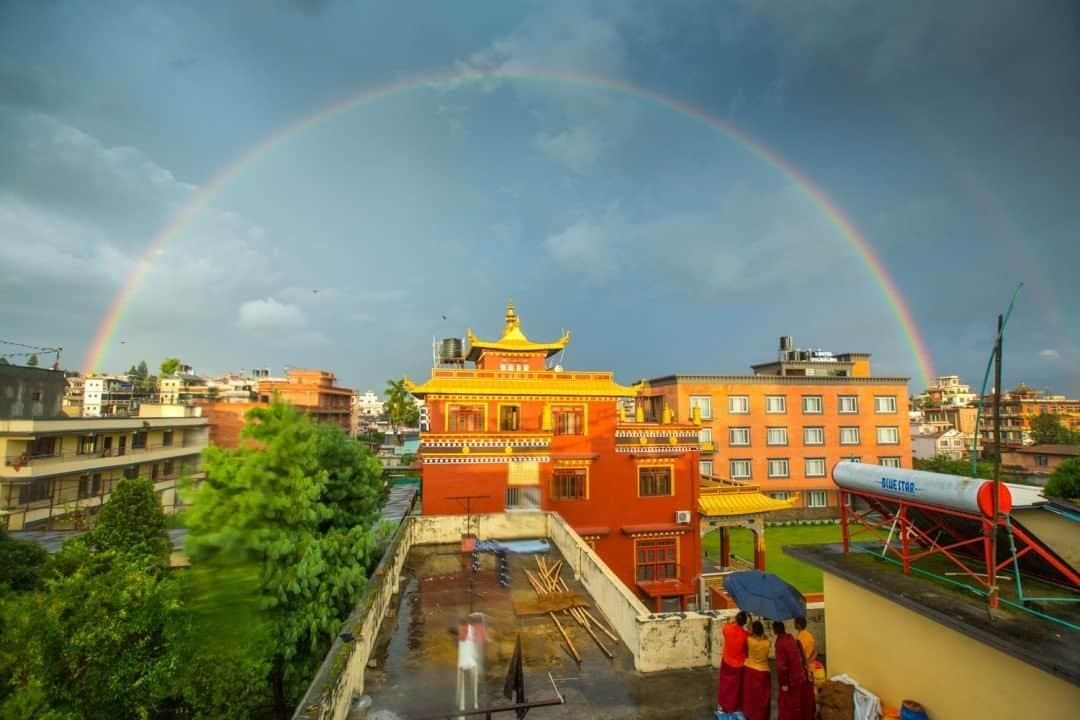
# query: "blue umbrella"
764 594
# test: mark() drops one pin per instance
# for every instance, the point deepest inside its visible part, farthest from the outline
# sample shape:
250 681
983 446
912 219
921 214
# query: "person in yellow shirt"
757 684
809 653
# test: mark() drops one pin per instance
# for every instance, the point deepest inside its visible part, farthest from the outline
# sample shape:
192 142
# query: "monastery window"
775 404
813 436
778 468
849 404
466 418
523 498
656 560
738 436
817 499
849 436
811 405
738 404
815 467
889 462
884 404
654 481
569 484
705 468
776 436
702 402
888 435
509 418
739 469
568 420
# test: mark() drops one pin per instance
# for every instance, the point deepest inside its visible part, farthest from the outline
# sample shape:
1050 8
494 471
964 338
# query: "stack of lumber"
554 597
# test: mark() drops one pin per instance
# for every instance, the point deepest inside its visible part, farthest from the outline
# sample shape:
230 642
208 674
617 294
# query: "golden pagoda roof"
749 502
541 383
513 339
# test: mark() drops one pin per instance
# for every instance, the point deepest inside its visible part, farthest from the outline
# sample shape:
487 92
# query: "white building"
106 396
927 443
948 391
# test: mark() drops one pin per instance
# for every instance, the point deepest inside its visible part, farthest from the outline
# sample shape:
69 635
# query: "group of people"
745 684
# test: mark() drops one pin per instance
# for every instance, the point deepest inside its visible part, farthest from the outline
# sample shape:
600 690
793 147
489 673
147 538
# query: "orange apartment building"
785 426
513 434
1018 407
313 391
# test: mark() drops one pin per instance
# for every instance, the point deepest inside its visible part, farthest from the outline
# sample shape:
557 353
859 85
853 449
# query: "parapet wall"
665 641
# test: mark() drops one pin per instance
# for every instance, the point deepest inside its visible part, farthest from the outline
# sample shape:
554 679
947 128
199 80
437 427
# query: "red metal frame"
897 522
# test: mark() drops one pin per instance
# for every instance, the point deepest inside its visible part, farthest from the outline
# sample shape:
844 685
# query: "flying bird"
316 292
443 317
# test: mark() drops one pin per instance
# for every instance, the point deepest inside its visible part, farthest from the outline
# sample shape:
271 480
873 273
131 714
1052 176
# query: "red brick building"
512 434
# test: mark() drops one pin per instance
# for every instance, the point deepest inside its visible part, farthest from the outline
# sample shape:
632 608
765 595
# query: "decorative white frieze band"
654 449
435 444
483 459
656 433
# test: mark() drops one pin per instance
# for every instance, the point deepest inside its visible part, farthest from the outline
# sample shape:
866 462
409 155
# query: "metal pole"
992 598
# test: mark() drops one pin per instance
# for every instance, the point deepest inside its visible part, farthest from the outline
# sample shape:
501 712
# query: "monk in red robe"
757 685
729 686
809 654
790 675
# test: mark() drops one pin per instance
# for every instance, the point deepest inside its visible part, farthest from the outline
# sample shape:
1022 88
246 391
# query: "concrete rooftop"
415 655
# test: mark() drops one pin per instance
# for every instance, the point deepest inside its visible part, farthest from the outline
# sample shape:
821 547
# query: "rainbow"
115 314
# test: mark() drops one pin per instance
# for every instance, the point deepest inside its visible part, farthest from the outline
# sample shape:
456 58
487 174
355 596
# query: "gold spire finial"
512 319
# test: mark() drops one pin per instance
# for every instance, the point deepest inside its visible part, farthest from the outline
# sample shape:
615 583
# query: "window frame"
649 470
749 468
454 412
811 494
858 435
807 442
769 468
731 438
768 436
667 549
731 408
561 474
840 404
783 404
579 412
824 467
515 415
895 433
894 461
695 400
820 405
877 408
701 468
523 491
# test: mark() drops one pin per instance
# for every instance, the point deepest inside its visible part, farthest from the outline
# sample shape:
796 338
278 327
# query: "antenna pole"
992 598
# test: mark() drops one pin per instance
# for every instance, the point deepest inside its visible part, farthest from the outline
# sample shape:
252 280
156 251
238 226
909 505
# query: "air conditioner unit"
682 517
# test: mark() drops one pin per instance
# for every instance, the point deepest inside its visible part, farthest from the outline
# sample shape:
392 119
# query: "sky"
516 159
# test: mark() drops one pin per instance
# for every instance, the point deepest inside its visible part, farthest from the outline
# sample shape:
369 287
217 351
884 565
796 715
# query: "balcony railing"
31 460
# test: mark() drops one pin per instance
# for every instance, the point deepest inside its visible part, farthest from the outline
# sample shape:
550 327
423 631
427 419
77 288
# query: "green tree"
169 366
32 361
400 408
1064 481
1048 429
21 564
133 523
297 508
941 464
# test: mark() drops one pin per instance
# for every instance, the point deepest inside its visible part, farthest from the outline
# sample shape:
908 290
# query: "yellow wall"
898 654
1061 534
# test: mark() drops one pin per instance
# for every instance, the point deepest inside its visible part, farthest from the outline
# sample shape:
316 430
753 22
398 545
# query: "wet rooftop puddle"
415 673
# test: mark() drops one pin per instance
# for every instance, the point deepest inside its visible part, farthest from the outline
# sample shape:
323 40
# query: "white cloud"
585 247
1049 354
577 149
270 315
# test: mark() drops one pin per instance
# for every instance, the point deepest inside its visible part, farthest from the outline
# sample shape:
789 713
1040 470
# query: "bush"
1064 482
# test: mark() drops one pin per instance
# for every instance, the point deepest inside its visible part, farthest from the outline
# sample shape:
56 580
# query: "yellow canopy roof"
513 339
741 503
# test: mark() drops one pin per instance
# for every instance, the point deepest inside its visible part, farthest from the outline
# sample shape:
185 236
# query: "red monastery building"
517 433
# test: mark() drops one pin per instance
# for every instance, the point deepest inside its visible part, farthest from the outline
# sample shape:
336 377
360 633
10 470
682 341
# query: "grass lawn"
801 575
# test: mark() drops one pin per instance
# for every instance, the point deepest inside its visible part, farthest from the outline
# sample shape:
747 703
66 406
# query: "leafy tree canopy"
1064 481
169 366
1048 429
21 564
941 464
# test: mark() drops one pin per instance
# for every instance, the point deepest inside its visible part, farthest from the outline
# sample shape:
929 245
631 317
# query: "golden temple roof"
513 339
549 382
750 502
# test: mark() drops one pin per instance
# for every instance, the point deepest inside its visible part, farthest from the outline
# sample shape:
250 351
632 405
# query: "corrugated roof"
741 503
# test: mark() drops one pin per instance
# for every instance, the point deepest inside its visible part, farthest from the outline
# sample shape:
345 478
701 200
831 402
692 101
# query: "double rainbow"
115 315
